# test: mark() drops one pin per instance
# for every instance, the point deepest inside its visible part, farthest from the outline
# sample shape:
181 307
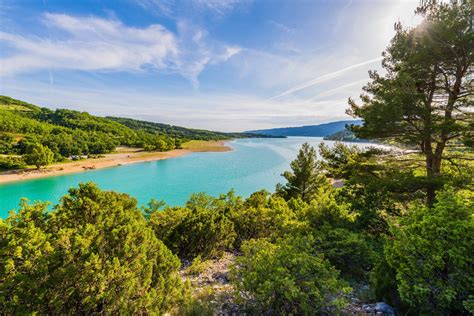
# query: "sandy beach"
122 157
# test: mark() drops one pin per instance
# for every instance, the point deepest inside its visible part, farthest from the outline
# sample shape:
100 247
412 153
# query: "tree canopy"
424 99
306 177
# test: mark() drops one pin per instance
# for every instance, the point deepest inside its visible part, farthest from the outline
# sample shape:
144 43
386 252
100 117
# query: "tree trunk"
433 171
430 189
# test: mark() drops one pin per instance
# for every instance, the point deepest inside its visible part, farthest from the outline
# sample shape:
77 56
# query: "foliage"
39 156
93 254
376 183
176 131
432 254
336 235
263 216
349 252
197 266
425 98
9 163
306 176
201 228
70 133
287 278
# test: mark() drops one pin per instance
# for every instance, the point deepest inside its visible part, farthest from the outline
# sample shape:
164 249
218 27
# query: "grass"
205 145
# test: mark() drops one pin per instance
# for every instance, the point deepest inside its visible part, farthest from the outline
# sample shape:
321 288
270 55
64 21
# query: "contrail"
330 91
323 78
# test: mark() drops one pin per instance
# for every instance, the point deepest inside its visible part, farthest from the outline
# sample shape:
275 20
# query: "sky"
226 65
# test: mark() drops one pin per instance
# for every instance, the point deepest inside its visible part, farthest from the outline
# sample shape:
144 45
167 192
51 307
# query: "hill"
69 133
320 130
177 131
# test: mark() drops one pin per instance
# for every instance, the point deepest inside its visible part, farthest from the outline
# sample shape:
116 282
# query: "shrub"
348 251
94 254
432 255
263 216
9 163
202 228
287 277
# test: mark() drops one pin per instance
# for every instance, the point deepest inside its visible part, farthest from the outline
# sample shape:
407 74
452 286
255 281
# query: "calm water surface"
253 164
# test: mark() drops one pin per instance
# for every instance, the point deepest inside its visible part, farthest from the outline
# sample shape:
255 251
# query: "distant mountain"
320 130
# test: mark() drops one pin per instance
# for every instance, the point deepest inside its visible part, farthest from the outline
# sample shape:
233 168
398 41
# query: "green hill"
71 133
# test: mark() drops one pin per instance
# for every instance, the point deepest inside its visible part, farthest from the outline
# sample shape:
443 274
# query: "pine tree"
425 97
306 176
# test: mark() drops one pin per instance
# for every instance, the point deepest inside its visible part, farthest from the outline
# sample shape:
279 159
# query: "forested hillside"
62 133
177 131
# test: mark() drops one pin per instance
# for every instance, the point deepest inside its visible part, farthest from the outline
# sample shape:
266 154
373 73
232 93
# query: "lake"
253 164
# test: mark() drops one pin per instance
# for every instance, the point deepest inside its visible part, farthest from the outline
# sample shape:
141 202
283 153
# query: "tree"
425 97
287 278
93 254
431 253
39 156
306 176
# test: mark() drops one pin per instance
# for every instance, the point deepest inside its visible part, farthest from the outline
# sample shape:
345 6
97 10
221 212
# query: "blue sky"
228 65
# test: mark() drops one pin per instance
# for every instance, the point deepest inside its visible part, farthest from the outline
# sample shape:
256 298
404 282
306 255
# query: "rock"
384 308
368 308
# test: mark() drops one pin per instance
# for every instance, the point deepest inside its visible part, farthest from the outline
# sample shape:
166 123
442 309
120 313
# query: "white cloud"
215 111
197 51
218 6
92 43
160 7
171 8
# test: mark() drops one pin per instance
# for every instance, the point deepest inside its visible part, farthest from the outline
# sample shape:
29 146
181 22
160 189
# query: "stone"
384 308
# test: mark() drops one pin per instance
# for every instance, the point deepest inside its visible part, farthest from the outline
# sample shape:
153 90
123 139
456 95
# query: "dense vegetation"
178 132
398 230
96 252
25 127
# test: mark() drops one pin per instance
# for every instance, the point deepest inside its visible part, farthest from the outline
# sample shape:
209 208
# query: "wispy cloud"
92 43
170 8
218 6
216 111
197 51
320 79
159 7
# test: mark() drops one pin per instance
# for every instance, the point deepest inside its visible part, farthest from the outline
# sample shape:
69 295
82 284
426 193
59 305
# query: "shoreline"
111 160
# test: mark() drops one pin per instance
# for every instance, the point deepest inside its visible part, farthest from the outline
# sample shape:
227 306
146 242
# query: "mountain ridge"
319 130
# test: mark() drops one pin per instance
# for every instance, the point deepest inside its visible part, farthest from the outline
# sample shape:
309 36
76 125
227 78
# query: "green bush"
94 254
348 251
287 278
432 255
202 228
263 216
10 163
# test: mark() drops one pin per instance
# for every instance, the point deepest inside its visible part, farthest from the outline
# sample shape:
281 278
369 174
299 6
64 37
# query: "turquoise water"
253 164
